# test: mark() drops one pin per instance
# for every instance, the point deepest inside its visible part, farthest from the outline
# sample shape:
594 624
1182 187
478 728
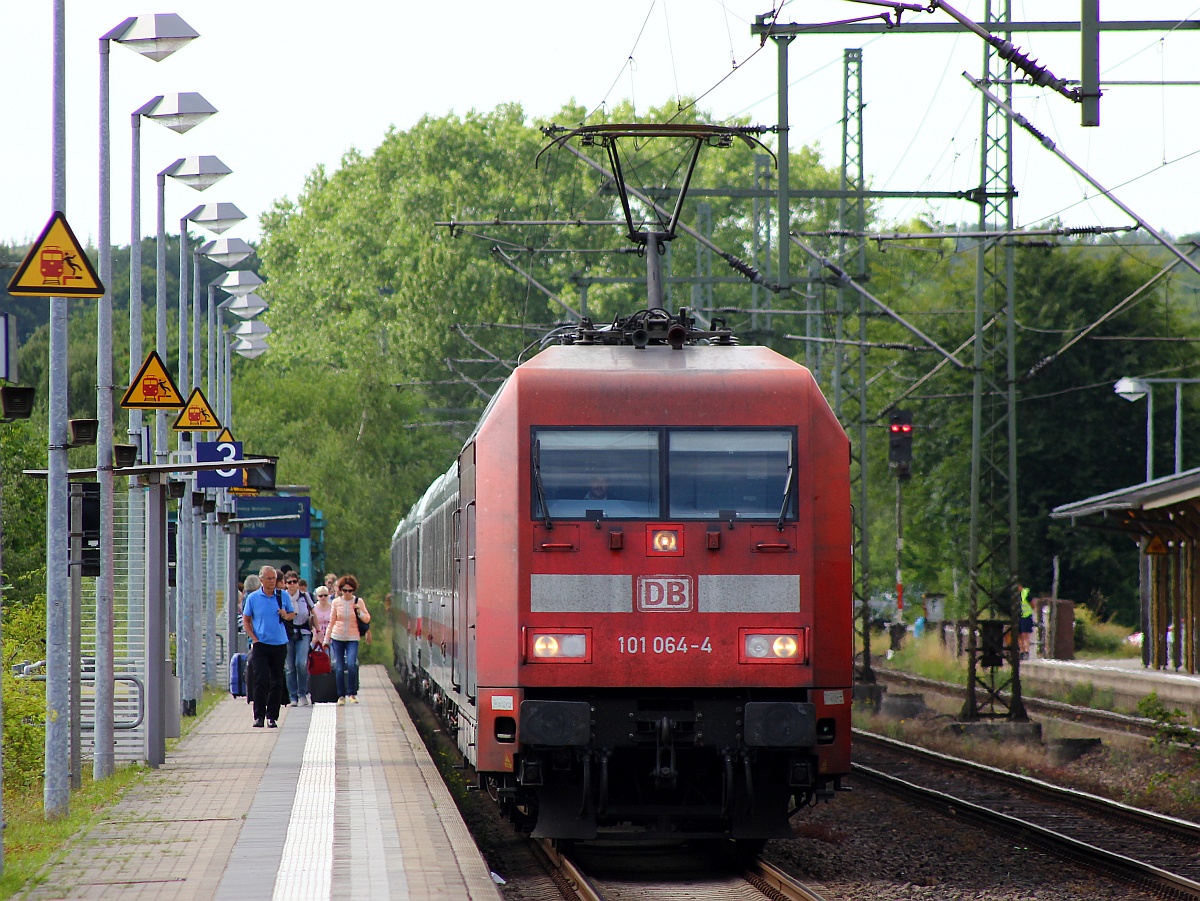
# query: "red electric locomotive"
631 594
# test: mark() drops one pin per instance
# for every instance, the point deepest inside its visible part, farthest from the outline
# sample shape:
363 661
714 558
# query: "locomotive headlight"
784 646
560 647
758 646
545 646
664 541
772 647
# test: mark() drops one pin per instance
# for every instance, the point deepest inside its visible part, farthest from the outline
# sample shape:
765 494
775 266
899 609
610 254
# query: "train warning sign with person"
56 266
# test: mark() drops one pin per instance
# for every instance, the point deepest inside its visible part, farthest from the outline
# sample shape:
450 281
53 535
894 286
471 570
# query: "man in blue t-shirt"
263 614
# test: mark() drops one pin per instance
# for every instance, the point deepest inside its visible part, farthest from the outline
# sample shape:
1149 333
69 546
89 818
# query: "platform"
338 803
1125 679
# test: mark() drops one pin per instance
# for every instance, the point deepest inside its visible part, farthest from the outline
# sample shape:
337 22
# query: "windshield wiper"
787 491
537 483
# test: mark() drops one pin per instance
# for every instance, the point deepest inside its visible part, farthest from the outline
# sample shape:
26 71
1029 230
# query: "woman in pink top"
322 611
342 635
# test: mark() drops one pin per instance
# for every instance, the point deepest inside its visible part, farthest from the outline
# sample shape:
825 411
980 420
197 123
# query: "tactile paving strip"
306 867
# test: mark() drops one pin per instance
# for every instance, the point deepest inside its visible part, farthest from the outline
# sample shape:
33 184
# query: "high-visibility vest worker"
1026 607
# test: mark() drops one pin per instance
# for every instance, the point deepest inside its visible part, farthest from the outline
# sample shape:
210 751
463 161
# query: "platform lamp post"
217 218
198 173
155 37
243 305
1134 389
225 252
179 112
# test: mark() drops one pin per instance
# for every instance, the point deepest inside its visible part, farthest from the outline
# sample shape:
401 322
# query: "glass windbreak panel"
739 470
611 470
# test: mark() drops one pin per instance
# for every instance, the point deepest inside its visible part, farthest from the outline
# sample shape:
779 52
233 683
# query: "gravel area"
866 844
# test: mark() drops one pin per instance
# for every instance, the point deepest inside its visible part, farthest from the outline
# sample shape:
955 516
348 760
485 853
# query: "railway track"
633 874
1101 719
1150 850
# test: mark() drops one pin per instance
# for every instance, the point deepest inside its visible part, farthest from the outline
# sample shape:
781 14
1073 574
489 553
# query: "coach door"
469 586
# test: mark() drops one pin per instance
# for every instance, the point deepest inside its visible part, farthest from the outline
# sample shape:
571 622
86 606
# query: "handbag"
318 661
364 626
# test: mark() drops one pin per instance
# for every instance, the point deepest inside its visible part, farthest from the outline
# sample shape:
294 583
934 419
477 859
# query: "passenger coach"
630 595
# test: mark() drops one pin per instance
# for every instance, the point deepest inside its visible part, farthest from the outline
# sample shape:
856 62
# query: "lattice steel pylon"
993 561
850 360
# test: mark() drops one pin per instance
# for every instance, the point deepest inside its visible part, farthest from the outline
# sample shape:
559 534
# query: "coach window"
744 471
614 471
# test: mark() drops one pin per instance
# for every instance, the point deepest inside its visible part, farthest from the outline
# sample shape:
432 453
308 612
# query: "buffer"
56 266
196 415
152 388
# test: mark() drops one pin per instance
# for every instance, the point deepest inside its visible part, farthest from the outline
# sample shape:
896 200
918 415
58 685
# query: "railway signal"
900 443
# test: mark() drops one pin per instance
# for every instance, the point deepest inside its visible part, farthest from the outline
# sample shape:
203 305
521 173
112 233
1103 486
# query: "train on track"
630 595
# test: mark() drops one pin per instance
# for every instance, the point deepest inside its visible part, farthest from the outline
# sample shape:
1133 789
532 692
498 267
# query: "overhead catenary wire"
1050 358
843 278
1079 170
512 264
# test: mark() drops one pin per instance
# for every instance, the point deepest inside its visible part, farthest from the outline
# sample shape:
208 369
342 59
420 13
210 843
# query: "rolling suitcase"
322 688
249 682
237 675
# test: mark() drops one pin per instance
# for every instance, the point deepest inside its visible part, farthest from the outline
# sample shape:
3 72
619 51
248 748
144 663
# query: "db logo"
657 594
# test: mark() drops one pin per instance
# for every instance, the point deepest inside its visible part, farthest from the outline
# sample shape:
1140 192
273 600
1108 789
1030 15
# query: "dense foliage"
391 331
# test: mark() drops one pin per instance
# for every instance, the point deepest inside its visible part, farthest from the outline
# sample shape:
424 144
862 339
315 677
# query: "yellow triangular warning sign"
196 415
152 388
1156 546
225 436
56 266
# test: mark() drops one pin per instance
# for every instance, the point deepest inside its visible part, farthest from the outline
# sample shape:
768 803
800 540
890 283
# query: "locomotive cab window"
747 471
580 471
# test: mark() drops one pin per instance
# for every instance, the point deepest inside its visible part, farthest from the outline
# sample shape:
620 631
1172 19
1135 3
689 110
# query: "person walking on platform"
343 635
322 611
263 614
299 641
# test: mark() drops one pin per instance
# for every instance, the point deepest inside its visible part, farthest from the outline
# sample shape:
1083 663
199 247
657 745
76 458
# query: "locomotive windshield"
722 471
663 473
614 471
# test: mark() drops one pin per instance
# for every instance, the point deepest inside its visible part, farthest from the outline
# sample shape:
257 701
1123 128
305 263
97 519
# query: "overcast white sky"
299 83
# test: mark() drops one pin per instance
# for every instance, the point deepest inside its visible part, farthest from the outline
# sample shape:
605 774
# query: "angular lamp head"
216 217
250 347
251 329
227 251
246 307
180 112
198 172
1131 389
155 36
240 282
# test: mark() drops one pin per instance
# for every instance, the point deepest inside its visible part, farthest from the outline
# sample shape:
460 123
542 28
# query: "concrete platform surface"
1125 678
337 803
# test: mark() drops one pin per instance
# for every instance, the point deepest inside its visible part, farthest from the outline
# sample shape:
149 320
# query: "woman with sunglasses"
342 635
